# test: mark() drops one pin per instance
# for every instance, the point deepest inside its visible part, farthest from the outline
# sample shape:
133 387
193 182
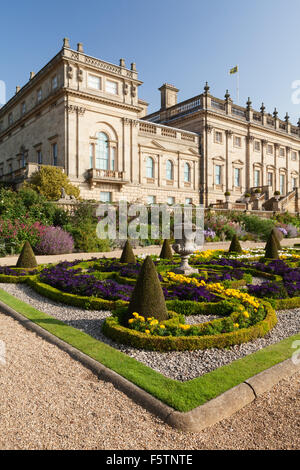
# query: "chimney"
80 47
133 66
32 74
66 43
168 95
18 88
122 62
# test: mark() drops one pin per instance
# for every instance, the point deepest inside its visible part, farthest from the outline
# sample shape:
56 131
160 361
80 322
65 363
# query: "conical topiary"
275 234
147 298
127 254
271 251
26 258
166 251
235 245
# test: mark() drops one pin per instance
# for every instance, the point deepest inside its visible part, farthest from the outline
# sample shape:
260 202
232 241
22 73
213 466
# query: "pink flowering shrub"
13 234
54 241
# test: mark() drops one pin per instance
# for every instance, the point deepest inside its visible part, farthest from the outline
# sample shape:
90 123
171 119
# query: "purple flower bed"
74 282
12 272
189 292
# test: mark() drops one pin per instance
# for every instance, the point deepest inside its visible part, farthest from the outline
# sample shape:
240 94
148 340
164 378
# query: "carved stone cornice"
71 108
128 121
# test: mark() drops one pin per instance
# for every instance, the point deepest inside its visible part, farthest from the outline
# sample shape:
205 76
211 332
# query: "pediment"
218 159
238 162
193 151
158 145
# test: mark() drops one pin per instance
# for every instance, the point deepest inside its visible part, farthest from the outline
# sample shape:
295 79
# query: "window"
218 137
10 119
94 82
150 168
270 149
151 199
23 108
39 95
281 152
294 155
237 177
218 172
294 183
187 173
54 82
39 157
169 170
188 200
256 178
270 179
91 155
171 200
102 154
105 196
112 158
23 159
282 184
237 141
111 87
54 154
257 145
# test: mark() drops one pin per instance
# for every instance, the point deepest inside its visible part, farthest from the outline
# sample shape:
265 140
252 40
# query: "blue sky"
183 42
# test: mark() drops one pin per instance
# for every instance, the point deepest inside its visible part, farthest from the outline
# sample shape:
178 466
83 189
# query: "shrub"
127 254
13 234
85 238
271 251
26 258
257 225
147 298
166 252
55 241
235 245
49 180
276 237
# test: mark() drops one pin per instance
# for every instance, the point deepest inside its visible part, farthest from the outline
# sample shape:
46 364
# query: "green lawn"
180 396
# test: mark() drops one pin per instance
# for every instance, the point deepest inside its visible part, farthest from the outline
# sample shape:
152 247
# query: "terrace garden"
232 298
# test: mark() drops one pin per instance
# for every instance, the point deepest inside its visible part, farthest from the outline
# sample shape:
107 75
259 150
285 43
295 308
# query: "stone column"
276 172
228 137
249 140
263 169
287 158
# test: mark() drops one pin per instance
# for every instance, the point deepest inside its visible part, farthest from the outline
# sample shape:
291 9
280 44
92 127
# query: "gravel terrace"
50 401
176 365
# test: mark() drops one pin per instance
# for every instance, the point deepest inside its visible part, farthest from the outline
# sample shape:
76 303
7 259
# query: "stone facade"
84 115
242 150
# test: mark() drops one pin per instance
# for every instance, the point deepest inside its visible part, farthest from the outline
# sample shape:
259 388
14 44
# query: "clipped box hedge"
113 330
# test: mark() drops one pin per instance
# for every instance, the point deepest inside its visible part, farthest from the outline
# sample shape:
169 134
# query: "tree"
166 252
127 254
26 258
49 181
271 251
147 298
235 245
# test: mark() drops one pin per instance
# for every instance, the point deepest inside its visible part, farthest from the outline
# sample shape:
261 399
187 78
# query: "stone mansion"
84 115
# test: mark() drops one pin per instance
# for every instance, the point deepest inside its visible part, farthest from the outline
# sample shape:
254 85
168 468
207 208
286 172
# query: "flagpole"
238 86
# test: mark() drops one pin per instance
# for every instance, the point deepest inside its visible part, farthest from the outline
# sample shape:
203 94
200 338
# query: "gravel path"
177 365
50 401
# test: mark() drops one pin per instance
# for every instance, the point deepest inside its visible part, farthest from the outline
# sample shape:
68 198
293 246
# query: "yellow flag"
233 70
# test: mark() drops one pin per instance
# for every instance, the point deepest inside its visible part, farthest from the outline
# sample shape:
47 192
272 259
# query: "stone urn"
185 247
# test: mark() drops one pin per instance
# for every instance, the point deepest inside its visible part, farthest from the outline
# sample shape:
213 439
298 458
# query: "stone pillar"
263 168
276 173
287 158
228 137
249 140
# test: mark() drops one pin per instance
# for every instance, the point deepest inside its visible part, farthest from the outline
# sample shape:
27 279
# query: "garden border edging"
195 420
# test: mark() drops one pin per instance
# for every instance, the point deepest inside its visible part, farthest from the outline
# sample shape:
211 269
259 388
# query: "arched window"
102 153
187 173
150 167
169 170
